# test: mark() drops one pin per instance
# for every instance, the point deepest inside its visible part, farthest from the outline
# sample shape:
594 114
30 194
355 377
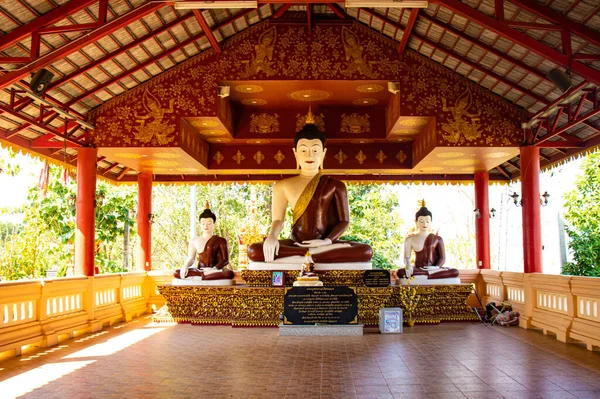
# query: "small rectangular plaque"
320 305
277 278
377 278
390 320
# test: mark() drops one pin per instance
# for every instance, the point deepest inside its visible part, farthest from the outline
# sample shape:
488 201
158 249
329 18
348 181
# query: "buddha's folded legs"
443 273
356 252
194 272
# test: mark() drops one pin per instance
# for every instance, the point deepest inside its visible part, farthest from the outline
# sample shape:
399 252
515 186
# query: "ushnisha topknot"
207 213
423 212
309 131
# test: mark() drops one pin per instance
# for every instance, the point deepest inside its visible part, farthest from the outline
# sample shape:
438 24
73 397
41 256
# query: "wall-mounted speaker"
560 79
40 81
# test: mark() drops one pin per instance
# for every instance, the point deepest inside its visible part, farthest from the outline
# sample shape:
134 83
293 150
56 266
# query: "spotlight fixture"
224 91
561 79
40 81
214 4
394 87
387 3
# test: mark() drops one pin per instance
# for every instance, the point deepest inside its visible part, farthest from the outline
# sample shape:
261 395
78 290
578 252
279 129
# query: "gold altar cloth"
243 306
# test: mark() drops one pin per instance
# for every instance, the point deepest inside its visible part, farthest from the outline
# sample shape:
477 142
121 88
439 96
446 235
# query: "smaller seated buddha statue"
212 254
430 254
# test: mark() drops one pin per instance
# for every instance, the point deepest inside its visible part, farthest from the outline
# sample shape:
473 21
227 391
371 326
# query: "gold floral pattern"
360 157
279 157
355 123
340 156
238 157
218 157
401 156
264 123
259 157
380 156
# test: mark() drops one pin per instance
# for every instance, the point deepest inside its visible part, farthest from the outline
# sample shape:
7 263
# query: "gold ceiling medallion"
219 140
461 162
239 157
458 128
369 88
431 169
453 154
188 170
259 157
262 141
201 124
360 157
365 102
310 95
254 102
249 89
153 162
412 122
264 123
319 122
213 133
493 155
166 155
355 123
218 157
279 157
401 156
128 155
362 141
380 156
340 156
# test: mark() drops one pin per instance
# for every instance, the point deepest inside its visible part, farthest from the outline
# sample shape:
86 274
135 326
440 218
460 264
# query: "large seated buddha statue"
212 254
430 255
320 216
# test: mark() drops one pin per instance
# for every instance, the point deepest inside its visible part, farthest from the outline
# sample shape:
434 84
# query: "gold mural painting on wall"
380 156
401 156
259 157
239 157
361 157
156 128
319 122
355 123
218 157
264 123
263 55
354 55
459 128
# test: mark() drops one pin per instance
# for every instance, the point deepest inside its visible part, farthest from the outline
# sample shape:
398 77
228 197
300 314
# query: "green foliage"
375 220
9 165
583 220
46 239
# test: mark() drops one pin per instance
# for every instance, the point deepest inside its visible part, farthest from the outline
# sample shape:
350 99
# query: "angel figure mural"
263 54
354 54
459 125
155 128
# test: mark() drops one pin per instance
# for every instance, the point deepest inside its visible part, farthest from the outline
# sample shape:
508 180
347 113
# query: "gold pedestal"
262 307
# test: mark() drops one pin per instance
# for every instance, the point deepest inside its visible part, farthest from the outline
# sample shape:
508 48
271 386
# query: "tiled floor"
452 360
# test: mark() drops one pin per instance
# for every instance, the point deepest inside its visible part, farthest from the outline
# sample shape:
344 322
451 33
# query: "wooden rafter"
407 31
207 31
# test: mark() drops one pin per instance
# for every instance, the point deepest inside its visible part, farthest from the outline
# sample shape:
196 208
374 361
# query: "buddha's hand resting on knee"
270 248
183 272
313 243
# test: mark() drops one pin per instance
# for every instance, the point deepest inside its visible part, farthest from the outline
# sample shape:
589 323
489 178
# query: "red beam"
522 39
49 18
281 10
587 57
123 173
110 167
407 32
66 28
14 60
308 16
207 31
555 17
567 126
109 27
337 10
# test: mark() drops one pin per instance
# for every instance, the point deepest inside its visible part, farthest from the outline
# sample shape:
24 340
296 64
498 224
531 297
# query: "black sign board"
377 278
320 305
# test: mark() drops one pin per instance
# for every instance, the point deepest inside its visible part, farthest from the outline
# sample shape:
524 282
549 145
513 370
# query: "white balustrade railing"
552 301
132 292
17 313
106 297
514 294
64 304
587 308
493 290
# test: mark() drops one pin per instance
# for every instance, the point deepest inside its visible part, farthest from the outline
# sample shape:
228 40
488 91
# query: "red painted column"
482 224
532 227
144 253
85 212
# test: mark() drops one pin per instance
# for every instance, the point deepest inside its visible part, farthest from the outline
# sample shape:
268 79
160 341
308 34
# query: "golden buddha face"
207 226
423 223
309 155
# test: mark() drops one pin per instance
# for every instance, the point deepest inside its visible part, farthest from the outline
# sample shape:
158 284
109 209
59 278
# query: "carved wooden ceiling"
100 49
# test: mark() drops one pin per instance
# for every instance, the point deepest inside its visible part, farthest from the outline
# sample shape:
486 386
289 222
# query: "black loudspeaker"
560 79
40 81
